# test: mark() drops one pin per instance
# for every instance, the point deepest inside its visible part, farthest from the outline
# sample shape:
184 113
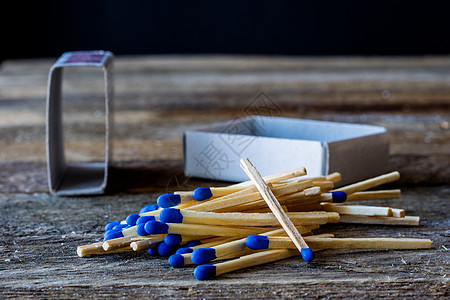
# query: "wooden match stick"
365 210
398 213
274 242
374 195
123 242
277 210
146 243
172 215
370 183
406 221
97 249
154 227
221 203
203 272
204 255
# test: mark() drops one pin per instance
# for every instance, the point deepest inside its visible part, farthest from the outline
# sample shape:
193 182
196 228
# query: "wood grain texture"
157 99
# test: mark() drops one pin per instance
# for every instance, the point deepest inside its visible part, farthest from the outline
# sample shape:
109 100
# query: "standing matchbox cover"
276 144
76 178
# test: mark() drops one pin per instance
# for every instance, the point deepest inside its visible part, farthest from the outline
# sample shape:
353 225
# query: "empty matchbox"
76 178
277 144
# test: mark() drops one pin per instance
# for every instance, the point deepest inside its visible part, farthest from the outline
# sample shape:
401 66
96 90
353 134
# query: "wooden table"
159 97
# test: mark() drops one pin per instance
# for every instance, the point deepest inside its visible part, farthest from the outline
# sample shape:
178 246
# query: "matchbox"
76 178
276 144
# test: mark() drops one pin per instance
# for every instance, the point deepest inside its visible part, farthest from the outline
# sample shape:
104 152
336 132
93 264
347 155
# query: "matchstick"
155 227
203 272
298 198
275 206
221 203
374 195
325 185
398 213
358 210
176 239
334 177
405 221
122 242
204 193
370 183
258 242
203 255
172 215
97 249
146 243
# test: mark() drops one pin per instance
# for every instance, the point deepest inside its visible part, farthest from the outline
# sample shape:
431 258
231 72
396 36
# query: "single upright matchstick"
277 210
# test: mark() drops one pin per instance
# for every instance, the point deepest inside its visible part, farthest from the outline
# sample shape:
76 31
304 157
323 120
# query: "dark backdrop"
48 28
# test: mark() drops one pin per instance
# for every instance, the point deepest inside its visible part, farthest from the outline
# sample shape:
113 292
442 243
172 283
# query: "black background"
48 28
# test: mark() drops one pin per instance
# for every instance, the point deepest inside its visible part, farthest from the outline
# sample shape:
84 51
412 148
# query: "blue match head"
119 227
112 235
203 255
166 250
170 215
140 229
155 227
202 193
168 200
176 260
153 251
110 225
257 242
203 272
147 208
172 239
112 231
339 196
131 219
184 250
307 254
192 243
144 219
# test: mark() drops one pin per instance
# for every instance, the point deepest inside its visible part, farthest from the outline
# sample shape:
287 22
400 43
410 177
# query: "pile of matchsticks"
255 222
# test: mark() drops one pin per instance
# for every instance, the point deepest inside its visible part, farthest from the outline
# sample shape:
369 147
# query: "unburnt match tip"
156 227
339 196
112 234
168 200
176 260
131 219
203 255
193 243
184 250
170 215
140 229
111 225
203 272
147 208
153 251
172 239
307 254
202 193
257 242
144 219
166 250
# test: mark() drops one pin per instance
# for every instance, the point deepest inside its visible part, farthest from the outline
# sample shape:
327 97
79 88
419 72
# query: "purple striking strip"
85 57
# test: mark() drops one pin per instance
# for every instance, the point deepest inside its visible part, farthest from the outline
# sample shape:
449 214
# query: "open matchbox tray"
276 144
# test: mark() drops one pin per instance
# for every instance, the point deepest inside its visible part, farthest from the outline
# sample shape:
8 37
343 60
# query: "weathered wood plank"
158 98
42 232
